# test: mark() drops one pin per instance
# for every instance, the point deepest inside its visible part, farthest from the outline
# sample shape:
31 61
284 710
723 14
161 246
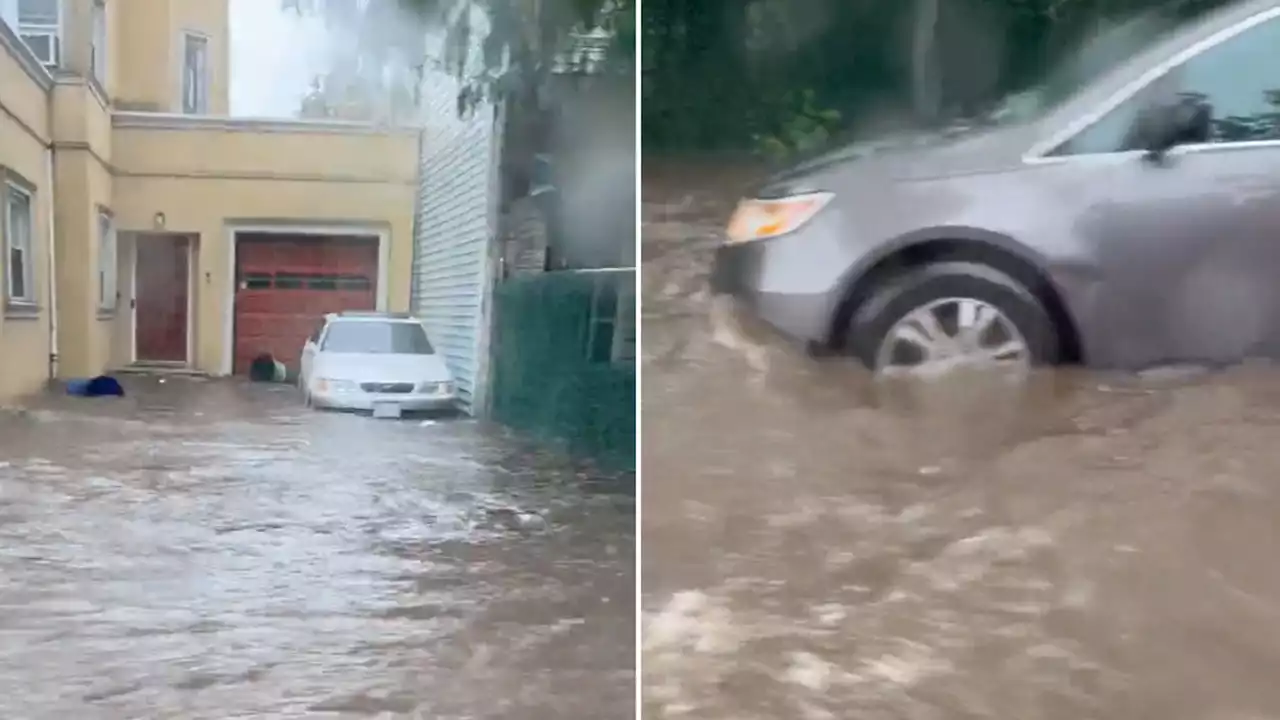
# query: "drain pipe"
53 268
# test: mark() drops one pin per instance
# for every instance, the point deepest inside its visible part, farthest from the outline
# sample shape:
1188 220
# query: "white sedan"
375 362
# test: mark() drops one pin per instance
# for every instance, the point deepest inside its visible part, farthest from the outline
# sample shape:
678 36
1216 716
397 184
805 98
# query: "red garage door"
286 283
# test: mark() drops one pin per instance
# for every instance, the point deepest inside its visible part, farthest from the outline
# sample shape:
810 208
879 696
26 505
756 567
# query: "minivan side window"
1239 79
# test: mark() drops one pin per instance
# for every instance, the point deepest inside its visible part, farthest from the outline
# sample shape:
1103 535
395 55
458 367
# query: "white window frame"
620 324
200 103
24 245
100 42
52 31
624 329
1042 152
108 261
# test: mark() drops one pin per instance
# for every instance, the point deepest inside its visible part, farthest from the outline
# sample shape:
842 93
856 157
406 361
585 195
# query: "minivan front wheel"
935 319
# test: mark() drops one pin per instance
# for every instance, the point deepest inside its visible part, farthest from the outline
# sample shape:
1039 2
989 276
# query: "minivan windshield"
377 338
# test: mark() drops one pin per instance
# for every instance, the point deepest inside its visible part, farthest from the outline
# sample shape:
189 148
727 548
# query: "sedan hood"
911 156
361 367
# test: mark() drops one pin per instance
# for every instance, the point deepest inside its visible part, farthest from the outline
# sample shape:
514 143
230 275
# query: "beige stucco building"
143 225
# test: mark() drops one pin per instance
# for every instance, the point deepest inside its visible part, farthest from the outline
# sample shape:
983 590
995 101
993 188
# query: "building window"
98 58
195 74
40 25
611 327
624 329
17 240
107 266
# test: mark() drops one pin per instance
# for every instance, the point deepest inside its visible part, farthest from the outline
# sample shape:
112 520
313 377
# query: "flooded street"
1091 546
211 549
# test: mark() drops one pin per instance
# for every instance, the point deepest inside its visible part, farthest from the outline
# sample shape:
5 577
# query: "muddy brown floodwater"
1091 546
212 550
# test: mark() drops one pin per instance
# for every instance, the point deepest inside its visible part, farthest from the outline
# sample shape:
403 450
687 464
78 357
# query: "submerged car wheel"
932 320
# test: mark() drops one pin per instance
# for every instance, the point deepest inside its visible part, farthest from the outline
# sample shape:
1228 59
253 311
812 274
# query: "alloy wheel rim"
952 334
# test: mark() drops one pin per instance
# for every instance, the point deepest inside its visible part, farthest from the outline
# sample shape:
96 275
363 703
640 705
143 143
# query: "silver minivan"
1125 218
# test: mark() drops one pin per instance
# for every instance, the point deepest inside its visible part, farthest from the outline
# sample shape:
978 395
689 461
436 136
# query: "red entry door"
161 274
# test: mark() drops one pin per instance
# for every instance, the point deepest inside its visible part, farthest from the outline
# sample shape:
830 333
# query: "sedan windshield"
378 338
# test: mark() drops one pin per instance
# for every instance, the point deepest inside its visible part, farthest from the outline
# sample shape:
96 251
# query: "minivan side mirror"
1164 126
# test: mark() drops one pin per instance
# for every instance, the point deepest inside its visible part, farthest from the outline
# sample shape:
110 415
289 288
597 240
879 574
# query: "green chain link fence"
563 361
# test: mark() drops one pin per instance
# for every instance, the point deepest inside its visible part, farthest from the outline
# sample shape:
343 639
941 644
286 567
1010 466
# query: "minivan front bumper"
781 281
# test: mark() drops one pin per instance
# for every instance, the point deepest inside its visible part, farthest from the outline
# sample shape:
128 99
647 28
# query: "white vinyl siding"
454 232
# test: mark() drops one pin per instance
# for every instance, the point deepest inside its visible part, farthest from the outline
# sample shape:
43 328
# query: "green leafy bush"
803 127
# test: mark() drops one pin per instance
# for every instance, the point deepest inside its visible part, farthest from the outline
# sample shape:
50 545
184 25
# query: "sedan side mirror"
1162 127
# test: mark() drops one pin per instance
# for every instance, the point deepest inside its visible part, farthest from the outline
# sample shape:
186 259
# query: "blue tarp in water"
100 386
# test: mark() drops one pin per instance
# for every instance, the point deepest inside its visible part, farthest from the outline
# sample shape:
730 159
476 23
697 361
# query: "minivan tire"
900 294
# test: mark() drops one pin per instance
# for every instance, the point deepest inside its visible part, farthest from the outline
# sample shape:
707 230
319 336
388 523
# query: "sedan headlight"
335 385
436 387
763 219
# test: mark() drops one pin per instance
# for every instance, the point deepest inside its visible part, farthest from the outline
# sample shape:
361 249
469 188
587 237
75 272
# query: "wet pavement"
211 549
1090 546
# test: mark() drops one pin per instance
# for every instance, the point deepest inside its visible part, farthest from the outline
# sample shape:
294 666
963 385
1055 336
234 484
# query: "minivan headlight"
757 219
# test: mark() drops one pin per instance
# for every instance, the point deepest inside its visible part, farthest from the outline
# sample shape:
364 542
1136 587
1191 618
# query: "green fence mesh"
563 361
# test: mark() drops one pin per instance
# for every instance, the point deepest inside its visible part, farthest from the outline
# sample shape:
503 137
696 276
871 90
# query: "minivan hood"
360 367
919 155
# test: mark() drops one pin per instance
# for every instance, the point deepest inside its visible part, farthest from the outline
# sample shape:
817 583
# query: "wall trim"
16 48
82 146
12 177
117 171
71 78
264 175
179 122
44 141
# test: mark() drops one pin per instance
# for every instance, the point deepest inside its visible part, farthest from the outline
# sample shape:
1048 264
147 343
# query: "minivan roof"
1187 39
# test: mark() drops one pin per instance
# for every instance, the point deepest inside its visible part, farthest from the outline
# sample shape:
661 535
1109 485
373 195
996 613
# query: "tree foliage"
730 75
524 42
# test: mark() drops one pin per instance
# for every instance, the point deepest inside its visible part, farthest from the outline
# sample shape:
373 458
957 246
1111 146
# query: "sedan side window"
1239 81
